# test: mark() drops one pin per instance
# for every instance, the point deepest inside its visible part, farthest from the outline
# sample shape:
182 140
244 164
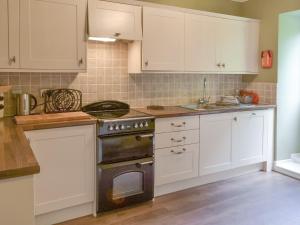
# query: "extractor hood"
109 21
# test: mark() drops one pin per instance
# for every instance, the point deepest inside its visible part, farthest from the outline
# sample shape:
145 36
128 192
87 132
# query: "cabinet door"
215 143
67 161
114 20
252 50
176 163
248 138
231 45
52 34
9 34
200 43
163 40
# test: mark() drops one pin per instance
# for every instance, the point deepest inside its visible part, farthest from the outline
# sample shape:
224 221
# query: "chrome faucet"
204 99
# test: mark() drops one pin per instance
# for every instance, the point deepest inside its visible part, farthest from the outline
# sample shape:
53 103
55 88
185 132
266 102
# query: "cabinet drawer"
176 124
177 163
165 140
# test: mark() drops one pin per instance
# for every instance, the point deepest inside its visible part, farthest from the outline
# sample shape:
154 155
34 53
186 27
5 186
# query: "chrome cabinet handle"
235 119
178 140
178 153
80 61
12 60
117 34
253 114
178 125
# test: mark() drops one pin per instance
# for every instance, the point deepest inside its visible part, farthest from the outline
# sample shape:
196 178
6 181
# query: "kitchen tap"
204 99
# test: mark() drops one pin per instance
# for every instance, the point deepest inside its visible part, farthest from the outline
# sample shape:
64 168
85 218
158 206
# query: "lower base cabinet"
231 140
248 138
67 167
225 141
176 163
215 143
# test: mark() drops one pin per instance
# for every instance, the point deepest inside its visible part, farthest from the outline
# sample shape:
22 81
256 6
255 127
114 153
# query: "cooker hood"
109 21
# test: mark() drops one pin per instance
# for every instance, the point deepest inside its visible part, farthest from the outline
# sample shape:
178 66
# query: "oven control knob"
116 127
136 126
122 127
146 124
110 128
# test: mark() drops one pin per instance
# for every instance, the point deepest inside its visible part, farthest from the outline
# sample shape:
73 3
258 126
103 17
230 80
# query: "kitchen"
139 105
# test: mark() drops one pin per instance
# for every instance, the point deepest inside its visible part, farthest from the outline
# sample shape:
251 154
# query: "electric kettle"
25 104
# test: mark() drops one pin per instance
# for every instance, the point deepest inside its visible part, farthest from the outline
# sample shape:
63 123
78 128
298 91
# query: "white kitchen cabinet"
164 140
176 164
248 132
252 50
67 160
231 45
163 40
215 143
9 34
200 41
211 44
52 35
114 20
232 140
173 124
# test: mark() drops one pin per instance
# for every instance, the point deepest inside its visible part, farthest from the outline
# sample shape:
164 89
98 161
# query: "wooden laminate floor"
254 199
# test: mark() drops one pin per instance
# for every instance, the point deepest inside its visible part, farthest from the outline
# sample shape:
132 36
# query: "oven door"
125 147
125 183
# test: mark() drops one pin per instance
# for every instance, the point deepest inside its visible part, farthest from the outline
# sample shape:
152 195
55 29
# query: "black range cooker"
125 170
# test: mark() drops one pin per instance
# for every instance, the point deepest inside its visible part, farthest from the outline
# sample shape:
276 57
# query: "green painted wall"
288 92
268 11
219 6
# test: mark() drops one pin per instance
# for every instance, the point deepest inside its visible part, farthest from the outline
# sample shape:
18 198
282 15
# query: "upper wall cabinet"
114 20
220 45
203 43
9 34
52 34
163 40
200 39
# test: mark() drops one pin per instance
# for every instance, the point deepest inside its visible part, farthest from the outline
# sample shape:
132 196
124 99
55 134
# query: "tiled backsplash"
107 78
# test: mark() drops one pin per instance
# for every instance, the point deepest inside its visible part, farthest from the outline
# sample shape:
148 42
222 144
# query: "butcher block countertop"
16 156
175 111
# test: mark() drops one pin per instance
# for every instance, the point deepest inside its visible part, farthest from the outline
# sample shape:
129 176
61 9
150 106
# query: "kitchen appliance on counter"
125 165
25 104
62 100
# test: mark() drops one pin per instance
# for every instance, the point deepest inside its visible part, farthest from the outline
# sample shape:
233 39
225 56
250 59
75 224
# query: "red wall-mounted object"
267 59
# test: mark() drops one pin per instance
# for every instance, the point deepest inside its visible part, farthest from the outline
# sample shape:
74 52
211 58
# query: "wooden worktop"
16 156
175 111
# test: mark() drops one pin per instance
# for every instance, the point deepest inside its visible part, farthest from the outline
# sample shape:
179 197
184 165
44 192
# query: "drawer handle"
178 125
178 140
253 114
12 60
179 152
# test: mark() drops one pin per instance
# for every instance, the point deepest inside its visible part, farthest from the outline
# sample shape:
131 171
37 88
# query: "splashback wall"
107 78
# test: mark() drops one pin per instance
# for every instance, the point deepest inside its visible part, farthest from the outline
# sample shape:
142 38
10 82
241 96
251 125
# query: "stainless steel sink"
214 106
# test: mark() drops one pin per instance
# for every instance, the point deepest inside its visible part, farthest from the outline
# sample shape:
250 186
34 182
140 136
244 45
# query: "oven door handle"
140 137
139 165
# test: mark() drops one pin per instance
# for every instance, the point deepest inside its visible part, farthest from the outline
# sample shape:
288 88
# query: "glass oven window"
128 184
